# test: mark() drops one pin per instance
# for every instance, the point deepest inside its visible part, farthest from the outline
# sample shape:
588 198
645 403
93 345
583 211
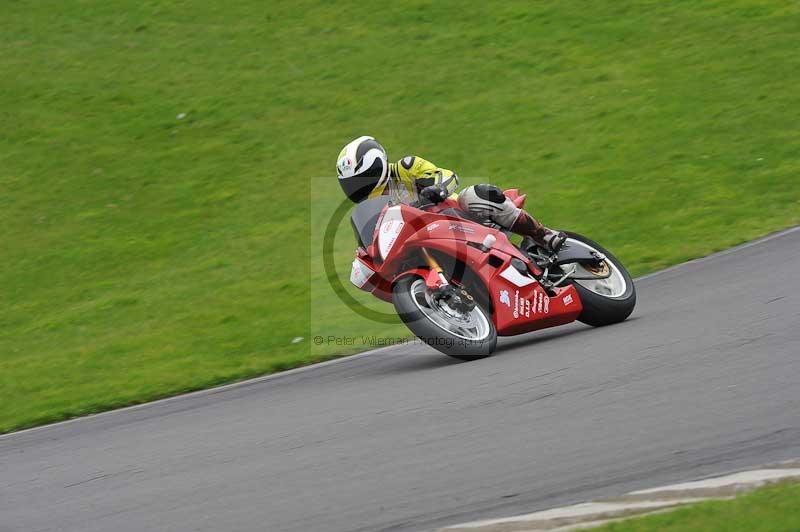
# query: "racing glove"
433 194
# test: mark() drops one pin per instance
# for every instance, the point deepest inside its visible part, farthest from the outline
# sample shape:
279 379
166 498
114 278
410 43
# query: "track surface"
704 378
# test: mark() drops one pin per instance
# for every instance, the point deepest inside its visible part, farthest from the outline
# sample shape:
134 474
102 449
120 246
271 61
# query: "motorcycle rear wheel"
606 301
468 338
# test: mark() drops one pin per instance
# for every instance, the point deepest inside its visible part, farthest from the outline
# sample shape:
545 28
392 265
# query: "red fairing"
520 309
519 302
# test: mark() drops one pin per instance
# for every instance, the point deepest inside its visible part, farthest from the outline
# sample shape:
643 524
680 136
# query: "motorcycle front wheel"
466 336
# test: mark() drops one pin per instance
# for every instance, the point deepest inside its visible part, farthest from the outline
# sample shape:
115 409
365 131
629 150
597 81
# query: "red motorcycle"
458 284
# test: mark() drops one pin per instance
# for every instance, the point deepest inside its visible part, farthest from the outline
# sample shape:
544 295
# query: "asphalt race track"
704 378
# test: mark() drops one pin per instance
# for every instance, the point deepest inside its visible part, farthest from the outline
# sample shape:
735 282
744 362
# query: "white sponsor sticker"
568 300
504 298
360 273
391 225
513 276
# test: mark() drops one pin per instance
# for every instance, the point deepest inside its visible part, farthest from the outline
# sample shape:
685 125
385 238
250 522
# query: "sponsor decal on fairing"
511 275
504 298
360 273
524 307
391 225
454 226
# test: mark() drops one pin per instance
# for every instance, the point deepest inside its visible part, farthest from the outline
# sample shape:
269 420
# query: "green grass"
145 255
769 509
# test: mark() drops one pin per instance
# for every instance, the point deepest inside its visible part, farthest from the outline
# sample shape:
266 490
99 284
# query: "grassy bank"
160 162
770 509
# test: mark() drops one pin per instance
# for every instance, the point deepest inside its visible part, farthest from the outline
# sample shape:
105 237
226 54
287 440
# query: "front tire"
466 339
605 301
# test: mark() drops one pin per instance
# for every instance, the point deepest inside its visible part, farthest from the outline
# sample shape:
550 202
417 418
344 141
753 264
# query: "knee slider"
490 193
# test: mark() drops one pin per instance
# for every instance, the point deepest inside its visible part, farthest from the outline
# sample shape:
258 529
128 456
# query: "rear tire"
599 310
435 336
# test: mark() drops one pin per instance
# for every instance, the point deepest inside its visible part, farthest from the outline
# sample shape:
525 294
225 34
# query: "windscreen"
365 218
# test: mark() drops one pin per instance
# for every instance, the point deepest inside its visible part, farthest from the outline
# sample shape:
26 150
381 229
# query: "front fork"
436 278
441 289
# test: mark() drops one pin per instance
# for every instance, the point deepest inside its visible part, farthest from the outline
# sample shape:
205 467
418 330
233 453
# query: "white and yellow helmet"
361 166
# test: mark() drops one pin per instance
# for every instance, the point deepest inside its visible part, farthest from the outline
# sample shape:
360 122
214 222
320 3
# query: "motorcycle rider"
364 172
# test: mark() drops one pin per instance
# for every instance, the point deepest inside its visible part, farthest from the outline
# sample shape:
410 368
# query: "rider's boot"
528 226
